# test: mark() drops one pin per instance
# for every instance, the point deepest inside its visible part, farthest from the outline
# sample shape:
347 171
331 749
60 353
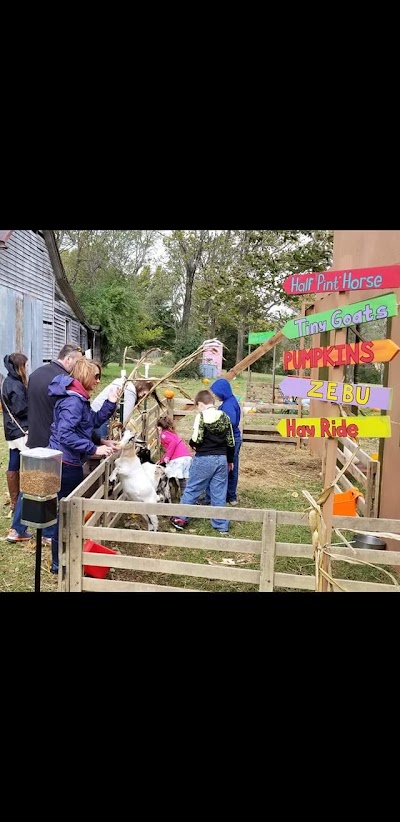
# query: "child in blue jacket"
223 391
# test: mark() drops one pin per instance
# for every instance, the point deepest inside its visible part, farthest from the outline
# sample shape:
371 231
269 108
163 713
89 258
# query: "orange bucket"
98 571
345 505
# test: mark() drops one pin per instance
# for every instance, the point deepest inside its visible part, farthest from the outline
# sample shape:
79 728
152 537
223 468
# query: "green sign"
262 336
379 308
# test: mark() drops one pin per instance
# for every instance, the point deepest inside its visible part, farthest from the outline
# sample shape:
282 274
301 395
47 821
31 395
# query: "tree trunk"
240 342
190 272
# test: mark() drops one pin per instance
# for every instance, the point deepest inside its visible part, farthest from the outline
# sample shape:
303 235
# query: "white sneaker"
14 536
233 502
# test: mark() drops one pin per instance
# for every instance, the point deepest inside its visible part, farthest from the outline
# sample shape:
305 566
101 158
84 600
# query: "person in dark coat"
230 406
14 396
40 403
72 428
40 417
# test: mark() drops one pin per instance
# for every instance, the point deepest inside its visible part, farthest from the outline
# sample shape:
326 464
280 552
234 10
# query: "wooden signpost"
361 394
356 279
378 308
346 354
334 427
335 357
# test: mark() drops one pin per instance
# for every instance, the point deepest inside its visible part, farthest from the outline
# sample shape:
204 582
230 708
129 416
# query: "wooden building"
39 311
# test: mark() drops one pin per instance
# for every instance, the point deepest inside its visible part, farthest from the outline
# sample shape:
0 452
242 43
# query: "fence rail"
105 508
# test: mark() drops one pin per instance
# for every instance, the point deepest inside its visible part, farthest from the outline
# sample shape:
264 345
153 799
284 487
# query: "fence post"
268 549
372 490
105 517
75 544
64 535
144 421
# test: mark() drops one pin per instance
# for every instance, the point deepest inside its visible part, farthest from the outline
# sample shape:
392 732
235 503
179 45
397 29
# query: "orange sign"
344 354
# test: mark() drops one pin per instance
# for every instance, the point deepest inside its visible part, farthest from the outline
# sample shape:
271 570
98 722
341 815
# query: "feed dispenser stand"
40 482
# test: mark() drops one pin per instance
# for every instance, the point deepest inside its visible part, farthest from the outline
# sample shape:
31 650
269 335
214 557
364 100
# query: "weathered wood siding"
21 325
25 267
77 333
34 317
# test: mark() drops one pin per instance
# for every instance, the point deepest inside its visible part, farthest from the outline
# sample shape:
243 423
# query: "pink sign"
350 279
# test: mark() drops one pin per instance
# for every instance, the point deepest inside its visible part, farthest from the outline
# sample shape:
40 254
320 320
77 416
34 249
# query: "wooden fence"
366 472
96 515
268 413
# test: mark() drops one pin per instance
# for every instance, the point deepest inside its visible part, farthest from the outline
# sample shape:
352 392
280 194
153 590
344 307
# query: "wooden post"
300 373
64 537
255 355
268 549
248 378
105 517
144 421
336 374
75 545
273 376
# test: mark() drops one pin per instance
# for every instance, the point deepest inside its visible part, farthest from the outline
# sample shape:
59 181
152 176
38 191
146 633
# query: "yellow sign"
335 427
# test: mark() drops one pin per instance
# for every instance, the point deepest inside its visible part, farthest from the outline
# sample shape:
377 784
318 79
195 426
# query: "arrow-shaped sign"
344 354
358 279
361 394
378 308
257 337
335 427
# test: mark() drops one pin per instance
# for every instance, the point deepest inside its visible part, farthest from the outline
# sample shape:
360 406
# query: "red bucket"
98 571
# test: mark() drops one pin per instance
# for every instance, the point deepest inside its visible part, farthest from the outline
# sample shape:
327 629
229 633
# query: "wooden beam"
336 374
255 355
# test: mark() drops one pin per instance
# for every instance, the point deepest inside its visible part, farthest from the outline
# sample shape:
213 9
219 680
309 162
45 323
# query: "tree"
247 284
103 268
186 251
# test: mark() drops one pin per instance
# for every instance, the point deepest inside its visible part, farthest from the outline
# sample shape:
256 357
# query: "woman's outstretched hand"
103 451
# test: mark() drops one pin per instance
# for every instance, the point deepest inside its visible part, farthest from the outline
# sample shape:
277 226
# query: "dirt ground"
276 465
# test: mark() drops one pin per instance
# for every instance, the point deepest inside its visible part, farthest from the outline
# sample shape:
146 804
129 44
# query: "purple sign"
345 393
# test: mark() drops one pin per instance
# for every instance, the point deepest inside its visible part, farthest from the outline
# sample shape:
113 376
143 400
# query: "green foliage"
184 347
116 307
369 374
211 283
103 267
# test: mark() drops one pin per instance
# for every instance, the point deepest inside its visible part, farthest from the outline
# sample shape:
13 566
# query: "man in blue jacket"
223 391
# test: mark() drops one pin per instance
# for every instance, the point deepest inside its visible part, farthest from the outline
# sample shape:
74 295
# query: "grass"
17 560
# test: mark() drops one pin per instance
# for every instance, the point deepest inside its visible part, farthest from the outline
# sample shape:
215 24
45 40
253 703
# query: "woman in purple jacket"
72 427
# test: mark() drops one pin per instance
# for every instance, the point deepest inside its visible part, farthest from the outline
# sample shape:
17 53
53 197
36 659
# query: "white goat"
136 484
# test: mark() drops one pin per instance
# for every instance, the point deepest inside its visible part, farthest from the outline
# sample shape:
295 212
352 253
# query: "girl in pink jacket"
177 457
